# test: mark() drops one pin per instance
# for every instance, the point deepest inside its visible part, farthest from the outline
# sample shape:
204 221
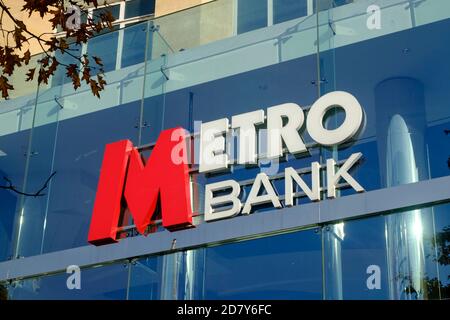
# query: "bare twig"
38 193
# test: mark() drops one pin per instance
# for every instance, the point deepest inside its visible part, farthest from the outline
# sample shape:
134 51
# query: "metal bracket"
163 71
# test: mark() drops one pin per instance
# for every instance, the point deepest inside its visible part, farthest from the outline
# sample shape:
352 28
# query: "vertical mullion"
309 7
235 17
84 46
120 36
269 13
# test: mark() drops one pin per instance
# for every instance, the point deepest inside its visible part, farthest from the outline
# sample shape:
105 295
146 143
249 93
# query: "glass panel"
136 8
430 11
89 124
16 119
353 252
417 253
286 266
107 282
60 76
156 78
251 15
40 168
105 46
134 42
401 255
145 279
15 126
173 276
60 219
405 105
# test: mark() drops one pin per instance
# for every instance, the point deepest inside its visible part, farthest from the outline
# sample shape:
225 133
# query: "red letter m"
124 176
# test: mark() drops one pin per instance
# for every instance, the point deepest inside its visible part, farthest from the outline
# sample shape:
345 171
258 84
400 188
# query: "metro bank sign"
126 182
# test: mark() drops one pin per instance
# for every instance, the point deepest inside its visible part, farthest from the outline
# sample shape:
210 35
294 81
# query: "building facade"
216 60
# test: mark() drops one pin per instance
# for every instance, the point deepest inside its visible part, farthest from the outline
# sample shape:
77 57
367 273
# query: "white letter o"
350 126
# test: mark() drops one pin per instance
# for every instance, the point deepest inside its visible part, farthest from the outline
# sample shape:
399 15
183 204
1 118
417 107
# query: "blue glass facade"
265 56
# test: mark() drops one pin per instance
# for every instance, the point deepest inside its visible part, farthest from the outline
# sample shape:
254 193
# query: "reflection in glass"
107 282
105 46
285 266
252 14
284 10
174 276
404 163
135 8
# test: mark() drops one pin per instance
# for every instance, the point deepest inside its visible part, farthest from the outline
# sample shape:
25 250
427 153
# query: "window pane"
252 14
136 8
115 11
284 10
105 47
133 51
329 4
107 282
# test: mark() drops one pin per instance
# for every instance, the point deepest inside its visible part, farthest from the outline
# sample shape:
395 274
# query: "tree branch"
38 193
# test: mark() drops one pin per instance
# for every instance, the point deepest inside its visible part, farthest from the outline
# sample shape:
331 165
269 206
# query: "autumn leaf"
43 76
5 86
26 57
58 17
30 74
14 55
72 72
51 70
9 61
18 36
71 69
45 61
95 88
86 75
63 45
101 82
98 60
40 6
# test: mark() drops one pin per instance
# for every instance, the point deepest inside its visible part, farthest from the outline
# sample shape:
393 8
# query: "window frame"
270 17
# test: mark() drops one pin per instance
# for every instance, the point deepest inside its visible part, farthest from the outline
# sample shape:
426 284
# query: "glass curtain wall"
296 265
406 116
171 74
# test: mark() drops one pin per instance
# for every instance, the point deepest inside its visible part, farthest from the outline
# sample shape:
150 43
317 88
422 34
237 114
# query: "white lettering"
277 132
231 198
246 123
213 156
351 125
333 177
255 199
313 194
